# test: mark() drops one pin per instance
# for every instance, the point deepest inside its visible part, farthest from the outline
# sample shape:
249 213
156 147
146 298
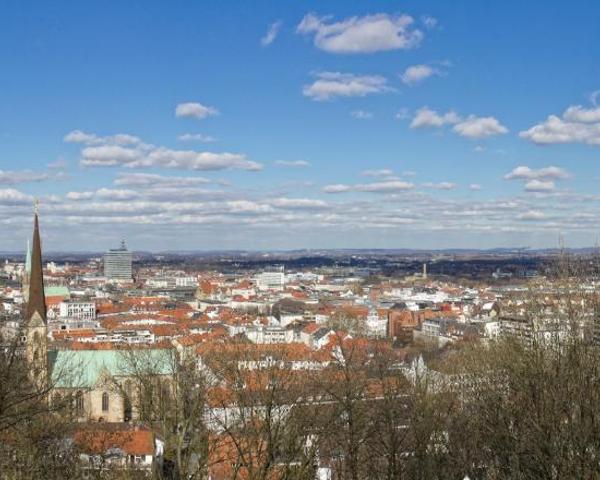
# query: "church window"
79 404
105 402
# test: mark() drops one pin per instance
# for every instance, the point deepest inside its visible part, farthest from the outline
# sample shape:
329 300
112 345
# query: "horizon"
274 127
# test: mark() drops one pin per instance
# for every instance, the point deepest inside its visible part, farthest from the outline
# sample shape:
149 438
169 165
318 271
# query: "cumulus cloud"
479 127
383 172
292 163
271 34
293 203
196 137
10 196
330 85
108 155
77 136
536 185
154 180
15 177
361 114
417 73
105 194
429 21
374 187
471 127
194 110
577 125
425 117
440 185
131 152
531 215
367 34
524 172
475 187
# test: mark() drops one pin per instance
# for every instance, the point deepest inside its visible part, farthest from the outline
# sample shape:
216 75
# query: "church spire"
37 300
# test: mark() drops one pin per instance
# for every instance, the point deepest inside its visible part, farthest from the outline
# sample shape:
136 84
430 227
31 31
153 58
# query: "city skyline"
314 125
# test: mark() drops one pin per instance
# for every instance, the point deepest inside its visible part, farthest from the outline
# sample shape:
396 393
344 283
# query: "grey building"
117 263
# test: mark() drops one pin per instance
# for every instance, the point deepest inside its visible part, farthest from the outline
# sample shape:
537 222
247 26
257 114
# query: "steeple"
37 300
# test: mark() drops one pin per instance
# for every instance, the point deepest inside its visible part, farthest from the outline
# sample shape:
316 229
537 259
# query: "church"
103 384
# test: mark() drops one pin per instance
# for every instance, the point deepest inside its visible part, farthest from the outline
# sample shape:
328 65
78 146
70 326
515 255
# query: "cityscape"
309 241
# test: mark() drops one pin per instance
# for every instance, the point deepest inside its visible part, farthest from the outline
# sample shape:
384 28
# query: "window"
105 402
79 404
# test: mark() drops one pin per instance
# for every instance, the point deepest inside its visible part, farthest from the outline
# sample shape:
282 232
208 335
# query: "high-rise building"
117 263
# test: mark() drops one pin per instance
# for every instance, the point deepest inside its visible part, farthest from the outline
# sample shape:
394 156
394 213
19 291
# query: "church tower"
36 328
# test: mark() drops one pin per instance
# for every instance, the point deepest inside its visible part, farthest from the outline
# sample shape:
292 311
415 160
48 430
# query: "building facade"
117 264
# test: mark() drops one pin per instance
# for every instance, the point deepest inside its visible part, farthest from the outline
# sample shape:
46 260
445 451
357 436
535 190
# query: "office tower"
117 263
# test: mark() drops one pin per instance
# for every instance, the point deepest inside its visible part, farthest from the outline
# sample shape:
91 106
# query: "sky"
274 125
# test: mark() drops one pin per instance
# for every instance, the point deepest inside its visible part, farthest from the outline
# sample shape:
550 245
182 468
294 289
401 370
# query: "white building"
376 325
271 280
79 310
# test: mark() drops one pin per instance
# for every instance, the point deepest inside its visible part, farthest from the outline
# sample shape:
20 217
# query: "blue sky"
278 125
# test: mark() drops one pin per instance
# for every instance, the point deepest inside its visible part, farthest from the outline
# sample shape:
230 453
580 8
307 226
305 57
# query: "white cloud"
425 117
368 34
59 164
292 163
475 187
122 139
104 194
10 196
523 172
8 177
417 73
120 150
532 215
536 185
154 180
271 34
577 125
77 136
196 137
307 203
440 185
375 187
479 127
79 195
383 172
194 110
361 114
334 84
429 22
402 114
110 155
471 127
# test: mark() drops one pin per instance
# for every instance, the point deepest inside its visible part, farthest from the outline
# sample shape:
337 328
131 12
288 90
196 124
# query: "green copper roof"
82 368
57 290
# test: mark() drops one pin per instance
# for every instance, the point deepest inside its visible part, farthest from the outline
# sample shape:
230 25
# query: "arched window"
105 402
